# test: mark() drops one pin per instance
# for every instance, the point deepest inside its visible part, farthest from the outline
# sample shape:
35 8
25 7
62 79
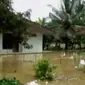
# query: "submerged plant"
12 81
44 70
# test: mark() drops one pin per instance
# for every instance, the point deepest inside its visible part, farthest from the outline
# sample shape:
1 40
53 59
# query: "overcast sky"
39 7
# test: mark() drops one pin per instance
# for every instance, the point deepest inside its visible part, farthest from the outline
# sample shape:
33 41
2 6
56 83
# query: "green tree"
70 15
42 21
6 12
16 23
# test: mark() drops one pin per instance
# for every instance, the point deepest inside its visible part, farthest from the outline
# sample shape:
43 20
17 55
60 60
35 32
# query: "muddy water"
22 67
14 66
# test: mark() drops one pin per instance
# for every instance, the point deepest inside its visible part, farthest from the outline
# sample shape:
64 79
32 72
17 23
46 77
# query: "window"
7 41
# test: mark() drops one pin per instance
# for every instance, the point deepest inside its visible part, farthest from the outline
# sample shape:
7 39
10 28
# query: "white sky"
39 7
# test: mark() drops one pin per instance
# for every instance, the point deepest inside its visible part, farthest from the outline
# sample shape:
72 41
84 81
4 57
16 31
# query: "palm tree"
42 22
71 15
47 39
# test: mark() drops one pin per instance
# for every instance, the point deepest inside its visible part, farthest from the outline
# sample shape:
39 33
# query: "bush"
44 70
13 81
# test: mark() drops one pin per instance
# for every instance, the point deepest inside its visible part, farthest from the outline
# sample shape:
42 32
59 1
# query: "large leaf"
67 5
55 18
73 5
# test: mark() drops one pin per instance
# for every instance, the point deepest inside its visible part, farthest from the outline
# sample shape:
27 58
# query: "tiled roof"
35 28
80 30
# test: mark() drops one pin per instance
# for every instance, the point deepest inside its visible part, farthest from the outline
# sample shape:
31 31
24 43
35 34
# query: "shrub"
44 70
13 81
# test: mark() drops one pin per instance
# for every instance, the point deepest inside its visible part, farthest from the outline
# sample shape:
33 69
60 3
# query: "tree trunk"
72 46
66 45
47 47
80 45
15 45
59 44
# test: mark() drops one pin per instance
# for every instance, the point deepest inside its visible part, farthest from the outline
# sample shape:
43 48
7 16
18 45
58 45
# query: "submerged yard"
66 74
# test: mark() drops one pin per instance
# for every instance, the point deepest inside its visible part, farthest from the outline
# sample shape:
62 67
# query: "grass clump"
12 81
44 70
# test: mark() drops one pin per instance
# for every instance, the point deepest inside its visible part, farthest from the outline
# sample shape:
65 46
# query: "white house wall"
36 42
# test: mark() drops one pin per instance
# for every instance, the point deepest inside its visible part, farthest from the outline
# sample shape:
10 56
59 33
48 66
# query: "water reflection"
15 66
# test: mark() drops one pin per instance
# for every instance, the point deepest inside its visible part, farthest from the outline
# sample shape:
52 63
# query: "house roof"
80 30
35 28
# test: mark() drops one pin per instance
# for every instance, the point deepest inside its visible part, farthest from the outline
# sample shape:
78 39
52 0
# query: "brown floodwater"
19 67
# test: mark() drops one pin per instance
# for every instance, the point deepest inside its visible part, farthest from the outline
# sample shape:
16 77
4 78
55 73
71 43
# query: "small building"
36 40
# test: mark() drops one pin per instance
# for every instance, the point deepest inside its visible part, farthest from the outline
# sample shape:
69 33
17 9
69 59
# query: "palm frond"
78 9
67 5
73 6
78 14
55 18
58 13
